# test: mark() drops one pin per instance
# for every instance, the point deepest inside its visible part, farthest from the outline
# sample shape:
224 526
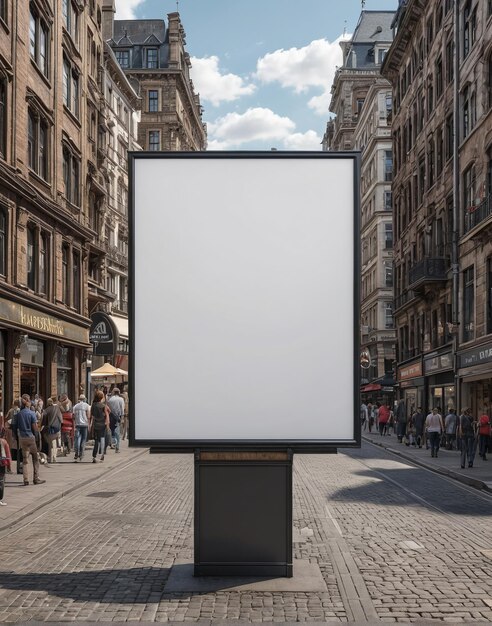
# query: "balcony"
428 271
404 298
477 214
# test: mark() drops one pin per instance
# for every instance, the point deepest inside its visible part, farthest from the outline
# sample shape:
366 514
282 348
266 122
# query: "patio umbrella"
108 370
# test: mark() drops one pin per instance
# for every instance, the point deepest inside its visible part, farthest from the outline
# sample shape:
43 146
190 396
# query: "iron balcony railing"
476 214
404 298
428 271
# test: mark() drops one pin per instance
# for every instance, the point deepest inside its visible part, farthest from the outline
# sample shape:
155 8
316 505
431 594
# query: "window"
153 100
70 18
70 88
154 140
3 242
37 144
3 117
468 304
449 137
449 62
388 201
151 58
466 112
123 58
76 280
388 235
469 187
388 274
489 81
38 40
65 276
439 151
388 315
430 162
37 259
388 165
439 80
71 169
3 10
469 28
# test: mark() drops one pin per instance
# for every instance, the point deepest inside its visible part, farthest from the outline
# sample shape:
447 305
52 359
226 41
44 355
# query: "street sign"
244 300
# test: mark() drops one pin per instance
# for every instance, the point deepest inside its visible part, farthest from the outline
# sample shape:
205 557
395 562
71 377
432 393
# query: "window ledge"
72 116
40 72
39 179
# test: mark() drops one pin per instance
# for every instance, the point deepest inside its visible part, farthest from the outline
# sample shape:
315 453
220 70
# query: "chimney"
108 11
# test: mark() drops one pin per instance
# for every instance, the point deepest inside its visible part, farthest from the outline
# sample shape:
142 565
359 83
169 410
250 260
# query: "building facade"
441 363
362 103
153 56
50 76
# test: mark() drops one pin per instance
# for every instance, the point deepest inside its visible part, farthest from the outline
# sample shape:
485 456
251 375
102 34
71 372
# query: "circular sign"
365 359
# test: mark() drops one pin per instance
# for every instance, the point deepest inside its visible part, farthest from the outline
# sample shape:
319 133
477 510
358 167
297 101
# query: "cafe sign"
410 371
475 356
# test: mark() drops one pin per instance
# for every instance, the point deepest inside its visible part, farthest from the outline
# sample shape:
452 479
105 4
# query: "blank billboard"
244 300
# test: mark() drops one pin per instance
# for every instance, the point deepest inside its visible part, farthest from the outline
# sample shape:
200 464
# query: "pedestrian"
68 425
11 437
5 462
384 415
418 421
434 428
483 435
401 420
99 424
82 415
50 428
124 421
450 425
116 406
467 432
363 415
26 425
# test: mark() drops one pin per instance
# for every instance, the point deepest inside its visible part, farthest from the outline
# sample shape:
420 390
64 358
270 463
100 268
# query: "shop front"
45 352
475 377
439 374
412 386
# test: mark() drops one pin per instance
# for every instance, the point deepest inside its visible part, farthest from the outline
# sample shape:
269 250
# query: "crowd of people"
35 433
465 433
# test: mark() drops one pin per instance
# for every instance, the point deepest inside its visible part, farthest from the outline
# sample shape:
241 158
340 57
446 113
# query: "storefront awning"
371 387
121 324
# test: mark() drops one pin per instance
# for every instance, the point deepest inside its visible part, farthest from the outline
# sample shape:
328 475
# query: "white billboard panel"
244 299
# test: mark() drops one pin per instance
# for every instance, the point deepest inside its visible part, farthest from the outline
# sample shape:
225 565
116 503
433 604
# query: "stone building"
153 57
361 100
50 78
441 364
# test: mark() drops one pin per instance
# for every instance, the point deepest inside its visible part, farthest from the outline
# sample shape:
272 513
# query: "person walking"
418 421
450 425
82 415
99 424
68 425
434 428
5 462
124 421
401 420
483 435
11 437
50 428
116 410
26 426
467 435
384 415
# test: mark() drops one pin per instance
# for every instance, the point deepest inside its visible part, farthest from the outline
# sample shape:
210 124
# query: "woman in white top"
434 428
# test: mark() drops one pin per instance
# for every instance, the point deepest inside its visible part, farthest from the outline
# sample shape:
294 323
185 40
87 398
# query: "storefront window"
32 367
63 371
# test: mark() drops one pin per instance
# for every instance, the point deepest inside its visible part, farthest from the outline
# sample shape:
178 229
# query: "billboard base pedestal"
243 513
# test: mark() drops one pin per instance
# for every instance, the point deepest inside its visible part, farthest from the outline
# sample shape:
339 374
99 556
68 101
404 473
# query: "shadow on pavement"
435 491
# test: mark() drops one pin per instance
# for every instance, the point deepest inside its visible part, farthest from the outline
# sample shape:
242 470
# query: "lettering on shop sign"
410 371
41 322
473 357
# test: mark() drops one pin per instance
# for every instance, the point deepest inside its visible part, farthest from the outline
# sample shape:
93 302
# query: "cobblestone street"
394 543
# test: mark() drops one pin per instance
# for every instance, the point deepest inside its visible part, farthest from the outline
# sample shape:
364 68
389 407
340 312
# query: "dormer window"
151 57
123 58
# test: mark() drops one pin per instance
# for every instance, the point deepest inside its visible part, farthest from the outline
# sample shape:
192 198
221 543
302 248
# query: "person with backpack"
483 435
50 427
468 436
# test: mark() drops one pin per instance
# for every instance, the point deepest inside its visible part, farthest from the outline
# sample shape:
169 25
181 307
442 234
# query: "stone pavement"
447 463
62 478
393 542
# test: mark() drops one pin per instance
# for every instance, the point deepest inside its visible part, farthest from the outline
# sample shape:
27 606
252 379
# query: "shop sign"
103 334
29 319
410 371
438 363
475 356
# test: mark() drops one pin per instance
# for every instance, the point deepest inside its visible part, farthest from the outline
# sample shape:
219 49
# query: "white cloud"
309 140
301 69
214 86
125 9
256 124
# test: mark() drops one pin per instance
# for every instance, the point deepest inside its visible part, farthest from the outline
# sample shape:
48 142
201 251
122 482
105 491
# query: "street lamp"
88 367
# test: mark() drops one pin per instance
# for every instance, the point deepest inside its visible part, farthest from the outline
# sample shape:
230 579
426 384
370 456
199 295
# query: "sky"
263 68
